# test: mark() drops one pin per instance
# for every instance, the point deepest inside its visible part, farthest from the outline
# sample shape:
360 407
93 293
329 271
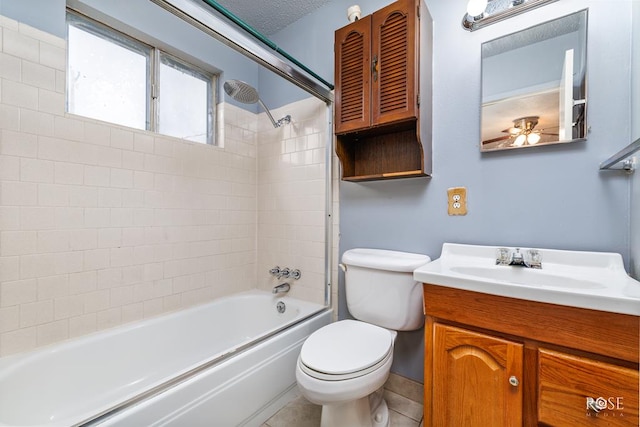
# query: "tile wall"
291 199
102 225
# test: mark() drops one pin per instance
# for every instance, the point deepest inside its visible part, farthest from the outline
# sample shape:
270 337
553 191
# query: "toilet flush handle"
343 267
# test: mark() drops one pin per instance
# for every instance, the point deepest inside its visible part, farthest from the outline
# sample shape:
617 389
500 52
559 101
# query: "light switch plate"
457 197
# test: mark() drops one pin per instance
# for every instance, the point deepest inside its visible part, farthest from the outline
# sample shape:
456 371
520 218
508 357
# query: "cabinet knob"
514 381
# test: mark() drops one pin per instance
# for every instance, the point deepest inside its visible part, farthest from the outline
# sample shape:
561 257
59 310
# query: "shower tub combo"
229 362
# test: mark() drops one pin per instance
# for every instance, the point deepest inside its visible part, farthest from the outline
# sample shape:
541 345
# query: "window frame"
154 57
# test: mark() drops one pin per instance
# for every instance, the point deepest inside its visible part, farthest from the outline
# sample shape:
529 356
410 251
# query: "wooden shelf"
379 177
371 156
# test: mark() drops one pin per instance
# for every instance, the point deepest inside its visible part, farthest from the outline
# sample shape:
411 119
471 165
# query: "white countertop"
592 280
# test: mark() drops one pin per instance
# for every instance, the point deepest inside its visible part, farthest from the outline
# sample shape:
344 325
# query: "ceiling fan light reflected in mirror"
520 140
523 132
533 138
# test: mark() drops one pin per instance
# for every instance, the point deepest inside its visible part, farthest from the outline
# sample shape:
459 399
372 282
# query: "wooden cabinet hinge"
418 99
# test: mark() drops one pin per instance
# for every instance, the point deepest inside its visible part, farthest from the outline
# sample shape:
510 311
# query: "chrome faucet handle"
533 258
295 274
502 256
275 271
285 272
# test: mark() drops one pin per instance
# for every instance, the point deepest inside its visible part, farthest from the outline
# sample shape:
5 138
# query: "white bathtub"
226 363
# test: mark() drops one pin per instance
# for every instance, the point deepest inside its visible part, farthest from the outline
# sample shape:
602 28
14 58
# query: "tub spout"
284 287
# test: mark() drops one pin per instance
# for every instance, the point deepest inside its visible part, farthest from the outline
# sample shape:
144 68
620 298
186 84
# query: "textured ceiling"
270 16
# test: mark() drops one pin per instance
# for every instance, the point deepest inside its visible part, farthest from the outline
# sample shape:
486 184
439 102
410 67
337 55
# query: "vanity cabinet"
497 361
380 124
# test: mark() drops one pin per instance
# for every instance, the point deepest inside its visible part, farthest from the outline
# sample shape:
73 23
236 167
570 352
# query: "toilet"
344 365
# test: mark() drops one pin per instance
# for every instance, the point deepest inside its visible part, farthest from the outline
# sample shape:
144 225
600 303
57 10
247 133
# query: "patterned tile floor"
403 396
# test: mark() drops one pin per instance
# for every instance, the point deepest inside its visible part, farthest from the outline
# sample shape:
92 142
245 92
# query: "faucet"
286 273
517 258
533 258
283 287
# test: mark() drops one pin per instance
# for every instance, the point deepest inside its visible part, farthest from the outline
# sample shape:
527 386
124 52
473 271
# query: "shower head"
247 94
241 91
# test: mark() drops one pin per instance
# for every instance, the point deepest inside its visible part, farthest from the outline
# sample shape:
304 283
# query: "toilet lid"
346 346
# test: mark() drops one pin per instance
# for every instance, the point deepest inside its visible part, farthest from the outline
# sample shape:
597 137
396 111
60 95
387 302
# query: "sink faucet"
533 258
517 258
283 287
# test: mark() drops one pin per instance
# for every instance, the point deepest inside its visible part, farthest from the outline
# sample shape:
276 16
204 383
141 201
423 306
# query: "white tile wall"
291 198
102 225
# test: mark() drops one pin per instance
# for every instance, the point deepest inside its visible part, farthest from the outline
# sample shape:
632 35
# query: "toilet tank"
380 288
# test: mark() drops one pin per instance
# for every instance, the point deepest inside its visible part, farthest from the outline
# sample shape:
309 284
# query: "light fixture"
523 132
520 140
481 13
533 138
354 13
475 8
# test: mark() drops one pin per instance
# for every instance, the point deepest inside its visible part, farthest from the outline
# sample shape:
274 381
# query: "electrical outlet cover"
457 197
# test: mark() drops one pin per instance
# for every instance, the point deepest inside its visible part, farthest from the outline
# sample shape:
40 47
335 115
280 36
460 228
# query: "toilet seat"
345 349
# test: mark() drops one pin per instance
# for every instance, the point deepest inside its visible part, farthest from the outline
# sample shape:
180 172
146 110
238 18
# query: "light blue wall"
549 197
46 15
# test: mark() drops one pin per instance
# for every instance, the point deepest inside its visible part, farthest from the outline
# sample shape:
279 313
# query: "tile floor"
403 396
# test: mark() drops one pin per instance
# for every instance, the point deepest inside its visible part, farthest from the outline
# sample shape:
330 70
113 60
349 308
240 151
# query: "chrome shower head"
247 94
241 91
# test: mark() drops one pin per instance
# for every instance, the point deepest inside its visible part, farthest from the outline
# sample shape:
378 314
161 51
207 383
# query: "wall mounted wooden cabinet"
383 93
496 361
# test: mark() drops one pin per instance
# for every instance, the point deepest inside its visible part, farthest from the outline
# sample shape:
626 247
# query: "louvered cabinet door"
352 70
394 63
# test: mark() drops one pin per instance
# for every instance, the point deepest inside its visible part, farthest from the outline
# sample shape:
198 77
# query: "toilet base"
369 411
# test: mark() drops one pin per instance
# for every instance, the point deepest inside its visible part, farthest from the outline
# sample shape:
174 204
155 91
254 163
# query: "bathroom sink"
593 280
526 276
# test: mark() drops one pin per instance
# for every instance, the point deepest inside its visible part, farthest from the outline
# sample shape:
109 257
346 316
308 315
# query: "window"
107 76
185 101
115 78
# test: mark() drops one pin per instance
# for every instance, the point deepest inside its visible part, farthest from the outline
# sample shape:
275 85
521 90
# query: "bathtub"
226 363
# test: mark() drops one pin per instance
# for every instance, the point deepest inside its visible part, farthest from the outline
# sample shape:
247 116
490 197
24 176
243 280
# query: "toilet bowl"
343 366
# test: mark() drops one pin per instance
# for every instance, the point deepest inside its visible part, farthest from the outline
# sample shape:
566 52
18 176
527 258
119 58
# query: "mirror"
534 85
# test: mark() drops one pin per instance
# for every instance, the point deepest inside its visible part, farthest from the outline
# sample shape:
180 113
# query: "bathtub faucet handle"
285 272
275 271
295 274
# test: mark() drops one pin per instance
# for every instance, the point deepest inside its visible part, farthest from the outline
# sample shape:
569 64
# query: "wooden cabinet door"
394 62
476 379
353 71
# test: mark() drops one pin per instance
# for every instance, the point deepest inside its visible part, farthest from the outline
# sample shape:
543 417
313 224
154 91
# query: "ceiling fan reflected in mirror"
522 132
